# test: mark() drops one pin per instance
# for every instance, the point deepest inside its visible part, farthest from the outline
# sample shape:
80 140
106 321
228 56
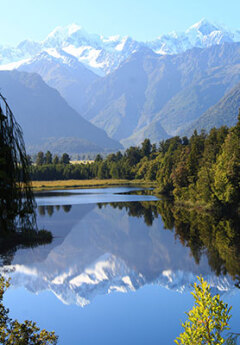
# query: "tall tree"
40 158
55 160
146 148
48 157
65 159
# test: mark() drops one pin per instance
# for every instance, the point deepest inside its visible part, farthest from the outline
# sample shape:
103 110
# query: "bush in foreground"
208 319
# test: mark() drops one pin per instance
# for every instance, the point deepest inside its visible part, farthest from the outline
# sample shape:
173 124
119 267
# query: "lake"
120 267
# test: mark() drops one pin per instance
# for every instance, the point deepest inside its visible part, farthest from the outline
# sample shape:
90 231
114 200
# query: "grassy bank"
66 184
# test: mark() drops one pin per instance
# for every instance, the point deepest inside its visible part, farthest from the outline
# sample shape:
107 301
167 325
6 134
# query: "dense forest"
203 169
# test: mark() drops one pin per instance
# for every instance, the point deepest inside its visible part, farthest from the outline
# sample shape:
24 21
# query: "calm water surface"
112 275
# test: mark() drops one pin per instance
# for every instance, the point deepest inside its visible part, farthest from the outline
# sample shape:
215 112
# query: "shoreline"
81 184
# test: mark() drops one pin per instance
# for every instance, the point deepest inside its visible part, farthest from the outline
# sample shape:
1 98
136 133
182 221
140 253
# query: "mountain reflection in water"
121 246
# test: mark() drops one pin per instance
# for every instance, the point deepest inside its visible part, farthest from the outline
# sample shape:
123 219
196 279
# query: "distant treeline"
202 169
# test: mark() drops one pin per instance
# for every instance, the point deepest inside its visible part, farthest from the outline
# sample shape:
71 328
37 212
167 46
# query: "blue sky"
141 19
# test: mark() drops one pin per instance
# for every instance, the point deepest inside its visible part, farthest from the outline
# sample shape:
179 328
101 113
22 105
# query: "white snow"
85 54
168 274
104 54
60 279
111 39
72 28
53 52
120 46
128 282
13 65
108 274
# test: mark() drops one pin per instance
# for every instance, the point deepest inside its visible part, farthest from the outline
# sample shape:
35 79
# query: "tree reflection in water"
215 235
49 209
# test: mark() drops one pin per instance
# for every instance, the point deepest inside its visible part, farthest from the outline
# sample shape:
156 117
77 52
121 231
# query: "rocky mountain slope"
64 73
224 113
157 96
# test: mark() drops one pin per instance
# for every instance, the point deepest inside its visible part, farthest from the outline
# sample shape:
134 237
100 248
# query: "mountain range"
157 96
133 90
104 54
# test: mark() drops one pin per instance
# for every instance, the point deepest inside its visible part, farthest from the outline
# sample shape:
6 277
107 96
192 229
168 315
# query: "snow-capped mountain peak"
73 34
72 28
204 27
102 54
202 34
63 32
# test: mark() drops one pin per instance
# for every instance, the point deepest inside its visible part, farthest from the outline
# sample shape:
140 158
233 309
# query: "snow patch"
13 65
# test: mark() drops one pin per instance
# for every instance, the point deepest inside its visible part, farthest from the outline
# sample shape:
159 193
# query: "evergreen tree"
98 158
227 170
212 148
40 158
103 172
119 156
48 158
146 148
133 155
65 159
55 160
